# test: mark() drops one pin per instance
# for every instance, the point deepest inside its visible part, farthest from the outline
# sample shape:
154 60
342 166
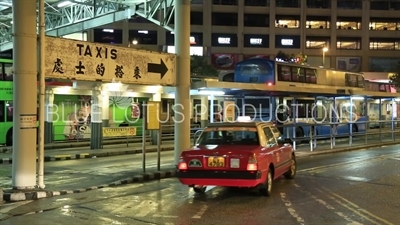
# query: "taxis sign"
119 131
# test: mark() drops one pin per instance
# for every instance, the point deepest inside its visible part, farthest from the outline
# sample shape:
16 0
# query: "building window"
318 22
384 24
348 23
288 3
349 4
109 36
377 64
196 39
256 41
384 44
143 37
224 40
321 4
256 20
225 2
286 41
196 2
196 18
225 19
286 21
385 5
348 43
256 2
317 42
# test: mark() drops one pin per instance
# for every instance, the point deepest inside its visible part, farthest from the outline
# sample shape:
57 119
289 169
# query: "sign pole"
144 128
41 96
159 149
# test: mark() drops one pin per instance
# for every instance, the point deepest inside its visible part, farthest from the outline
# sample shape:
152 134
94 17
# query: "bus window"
8 72
311 76
2 109
298 74
360 81
284 73
9 111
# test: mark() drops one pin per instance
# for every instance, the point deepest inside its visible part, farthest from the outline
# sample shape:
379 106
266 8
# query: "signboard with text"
79 60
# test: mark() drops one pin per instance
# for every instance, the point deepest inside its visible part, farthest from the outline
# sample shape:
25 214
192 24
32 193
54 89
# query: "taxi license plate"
216 162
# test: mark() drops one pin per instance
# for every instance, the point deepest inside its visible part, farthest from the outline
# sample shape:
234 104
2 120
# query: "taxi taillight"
182 165
252 163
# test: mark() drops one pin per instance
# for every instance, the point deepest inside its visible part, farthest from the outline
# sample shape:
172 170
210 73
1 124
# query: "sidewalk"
133 173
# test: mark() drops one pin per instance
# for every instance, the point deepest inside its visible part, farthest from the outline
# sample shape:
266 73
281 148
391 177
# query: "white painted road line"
291 210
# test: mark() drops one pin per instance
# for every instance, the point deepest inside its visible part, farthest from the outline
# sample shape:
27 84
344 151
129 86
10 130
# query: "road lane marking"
291 210
328 206
200 213
143 208
362 210
353 207
348 162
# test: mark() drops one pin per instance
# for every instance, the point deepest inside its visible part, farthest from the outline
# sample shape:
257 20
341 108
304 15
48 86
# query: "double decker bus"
314 90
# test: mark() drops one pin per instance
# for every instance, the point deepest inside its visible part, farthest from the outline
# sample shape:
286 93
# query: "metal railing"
383 129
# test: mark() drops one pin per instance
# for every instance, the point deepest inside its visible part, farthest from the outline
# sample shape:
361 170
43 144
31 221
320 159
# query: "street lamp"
325 49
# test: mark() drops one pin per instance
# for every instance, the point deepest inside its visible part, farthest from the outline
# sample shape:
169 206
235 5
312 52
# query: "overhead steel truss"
84 15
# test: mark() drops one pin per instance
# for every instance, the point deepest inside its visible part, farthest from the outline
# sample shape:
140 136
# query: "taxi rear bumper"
220 178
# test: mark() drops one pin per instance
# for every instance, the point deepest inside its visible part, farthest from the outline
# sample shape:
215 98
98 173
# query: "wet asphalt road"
351 188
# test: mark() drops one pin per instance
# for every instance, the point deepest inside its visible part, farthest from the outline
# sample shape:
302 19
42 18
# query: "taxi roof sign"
244 119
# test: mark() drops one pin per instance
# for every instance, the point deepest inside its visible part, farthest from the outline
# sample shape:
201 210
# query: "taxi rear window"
229 136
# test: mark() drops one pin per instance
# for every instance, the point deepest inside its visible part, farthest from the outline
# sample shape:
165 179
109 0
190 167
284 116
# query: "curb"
35 195
90 155
348 149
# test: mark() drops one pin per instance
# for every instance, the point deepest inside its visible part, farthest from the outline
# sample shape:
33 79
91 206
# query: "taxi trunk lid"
221 157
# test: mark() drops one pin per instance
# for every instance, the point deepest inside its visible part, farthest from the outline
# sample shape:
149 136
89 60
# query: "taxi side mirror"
282 141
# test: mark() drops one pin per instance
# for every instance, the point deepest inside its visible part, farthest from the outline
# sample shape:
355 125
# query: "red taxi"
237 155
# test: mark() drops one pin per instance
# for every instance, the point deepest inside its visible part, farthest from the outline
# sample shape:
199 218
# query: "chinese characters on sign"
58 66
28 121
100 69
80 68
85 61
136 73
119 73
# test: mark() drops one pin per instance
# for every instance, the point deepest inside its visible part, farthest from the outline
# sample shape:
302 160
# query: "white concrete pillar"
182 99
105 109
48 116
96 122
204 111
25 94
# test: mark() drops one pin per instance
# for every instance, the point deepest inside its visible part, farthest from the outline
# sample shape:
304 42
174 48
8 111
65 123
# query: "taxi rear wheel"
199 189
266 189
291 173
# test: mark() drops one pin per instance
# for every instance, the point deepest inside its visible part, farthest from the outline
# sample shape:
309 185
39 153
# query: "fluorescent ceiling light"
108 30
205 92
63 4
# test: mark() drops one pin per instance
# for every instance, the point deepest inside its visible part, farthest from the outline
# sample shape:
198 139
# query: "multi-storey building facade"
360 35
